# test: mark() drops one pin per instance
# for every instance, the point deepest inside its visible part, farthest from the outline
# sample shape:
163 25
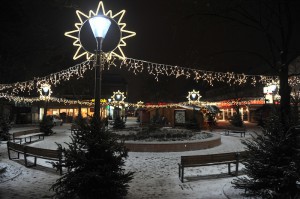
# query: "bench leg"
229 168
25 160
182 173
179 171
237 169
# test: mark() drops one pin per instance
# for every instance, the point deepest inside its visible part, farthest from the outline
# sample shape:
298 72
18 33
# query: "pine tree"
94 161
119 123
272 166
5 126
236 119
46 125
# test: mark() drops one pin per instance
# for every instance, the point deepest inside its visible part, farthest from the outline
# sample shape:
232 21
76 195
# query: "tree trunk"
285 93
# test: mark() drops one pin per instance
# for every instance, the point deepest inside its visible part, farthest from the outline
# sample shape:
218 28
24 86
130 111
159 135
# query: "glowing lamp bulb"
99 25
194 96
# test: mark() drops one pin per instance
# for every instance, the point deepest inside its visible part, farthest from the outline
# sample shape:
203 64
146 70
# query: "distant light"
45 89
272 88
99 25
118 96
194 96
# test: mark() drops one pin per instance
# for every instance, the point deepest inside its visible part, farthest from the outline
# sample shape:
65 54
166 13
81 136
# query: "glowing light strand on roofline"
138 66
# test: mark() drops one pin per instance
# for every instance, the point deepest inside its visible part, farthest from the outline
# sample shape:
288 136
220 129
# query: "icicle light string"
18 99
138 66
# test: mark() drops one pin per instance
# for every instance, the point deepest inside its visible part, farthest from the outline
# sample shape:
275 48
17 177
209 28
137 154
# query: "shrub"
5 126
94 161
273 163
46 125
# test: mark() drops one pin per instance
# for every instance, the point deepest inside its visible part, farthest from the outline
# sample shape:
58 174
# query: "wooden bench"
48 154
75 128
234 129
207 160
28 151
27 134
18 148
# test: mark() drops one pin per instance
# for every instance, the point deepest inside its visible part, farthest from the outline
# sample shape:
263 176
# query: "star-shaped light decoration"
45 91
194 97
118 97
140 104
125 34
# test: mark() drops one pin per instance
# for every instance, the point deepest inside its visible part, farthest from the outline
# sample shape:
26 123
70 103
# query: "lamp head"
118 97
193 96
100 25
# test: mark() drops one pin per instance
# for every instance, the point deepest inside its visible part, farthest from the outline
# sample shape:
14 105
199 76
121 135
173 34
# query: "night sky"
168 32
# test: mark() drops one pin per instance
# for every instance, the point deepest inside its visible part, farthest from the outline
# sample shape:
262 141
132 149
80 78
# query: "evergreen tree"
94 161
272 165
119 123
236 119
5 126
46 125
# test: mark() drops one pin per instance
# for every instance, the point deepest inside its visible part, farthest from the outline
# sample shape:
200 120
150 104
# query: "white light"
99 25
45 89
272 88
194 96
118 96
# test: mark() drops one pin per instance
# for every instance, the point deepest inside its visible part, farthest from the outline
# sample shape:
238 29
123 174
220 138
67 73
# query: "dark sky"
168 32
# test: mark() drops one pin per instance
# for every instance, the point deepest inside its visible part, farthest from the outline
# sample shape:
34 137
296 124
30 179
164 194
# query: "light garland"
18 99
138 66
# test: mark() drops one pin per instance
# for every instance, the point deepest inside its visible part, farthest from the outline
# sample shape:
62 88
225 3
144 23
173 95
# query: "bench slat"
200 159
207 160
43 153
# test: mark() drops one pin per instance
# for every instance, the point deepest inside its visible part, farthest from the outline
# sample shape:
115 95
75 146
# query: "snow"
156 174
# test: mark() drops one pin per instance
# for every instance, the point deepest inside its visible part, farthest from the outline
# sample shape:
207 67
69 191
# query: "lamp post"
45 93
99 25
119 98
194 98
109 100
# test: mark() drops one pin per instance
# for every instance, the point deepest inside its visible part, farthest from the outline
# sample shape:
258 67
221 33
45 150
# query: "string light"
18 99
138 66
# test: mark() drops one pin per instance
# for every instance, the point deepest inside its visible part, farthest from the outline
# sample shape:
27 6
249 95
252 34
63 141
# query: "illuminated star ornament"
194 97
125 34
45 91
118 97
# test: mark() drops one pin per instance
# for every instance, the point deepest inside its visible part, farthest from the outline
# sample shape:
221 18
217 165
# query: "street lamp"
99 25
119 98
194 97
109 100
45 93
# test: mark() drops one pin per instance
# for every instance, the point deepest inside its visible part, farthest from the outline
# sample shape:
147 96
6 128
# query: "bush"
46 125
236 120
273 163
94 161
118 123
5 126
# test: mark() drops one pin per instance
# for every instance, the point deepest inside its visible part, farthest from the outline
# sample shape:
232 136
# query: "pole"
98 78
45 109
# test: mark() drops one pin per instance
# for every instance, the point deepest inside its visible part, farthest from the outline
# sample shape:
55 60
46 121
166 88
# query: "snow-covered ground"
156 174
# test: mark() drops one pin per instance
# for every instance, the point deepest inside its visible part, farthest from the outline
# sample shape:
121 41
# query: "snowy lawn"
156 174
